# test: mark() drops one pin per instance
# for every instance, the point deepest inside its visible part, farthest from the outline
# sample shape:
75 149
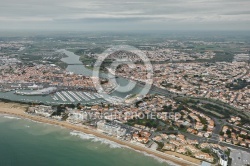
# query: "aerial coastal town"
198 108
207 80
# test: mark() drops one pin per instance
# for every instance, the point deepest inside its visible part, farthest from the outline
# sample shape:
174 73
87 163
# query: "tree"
78 105
205 128
222 133
171 128
167 108
228 132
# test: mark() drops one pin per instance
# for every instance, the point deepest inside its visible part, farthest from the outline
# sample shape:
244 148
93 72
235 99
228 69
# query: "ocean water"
27 143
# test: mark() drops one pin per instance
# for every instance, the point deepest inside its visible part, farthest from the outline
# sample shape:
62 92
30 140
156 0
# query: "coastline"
18 110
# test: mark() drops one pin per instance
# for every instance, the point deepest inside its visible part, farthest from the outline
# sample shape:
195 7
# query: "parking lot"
239 157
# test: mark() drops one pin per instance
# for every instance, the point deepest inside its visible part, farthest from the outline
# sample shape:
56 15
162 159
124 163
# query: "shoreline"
18 110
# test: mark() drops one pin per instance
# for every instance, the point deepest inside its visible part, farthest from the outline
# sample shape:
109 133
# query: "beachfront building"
204 156
41 110
141 136
111 128
76 116
222 156
223 160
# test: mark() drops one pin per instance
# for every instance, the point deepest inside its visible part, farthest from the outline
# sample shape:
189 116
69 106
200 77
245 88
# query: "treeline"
237 84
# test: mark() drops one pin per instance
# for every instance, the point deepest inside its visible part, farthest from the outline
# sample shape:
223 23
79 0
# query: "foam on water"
112 144
77 155
11 117
43 123
157 158
93 138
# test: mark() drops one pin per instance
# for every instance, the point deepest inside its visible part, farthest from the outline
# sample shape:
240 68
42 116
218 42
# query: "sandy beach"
191 159
19 110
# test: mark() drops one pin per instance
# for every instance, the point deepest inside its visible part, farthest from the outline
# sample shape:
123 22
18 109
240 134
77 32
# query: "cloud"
55 13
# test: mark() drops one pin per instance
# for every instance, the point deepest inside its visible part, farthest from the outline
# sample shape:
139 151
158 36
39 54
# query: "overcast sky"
125 14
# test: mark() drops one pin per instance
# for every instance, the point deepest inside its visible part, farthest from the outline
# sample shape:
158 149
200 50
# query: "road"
219 124
229 124
215 141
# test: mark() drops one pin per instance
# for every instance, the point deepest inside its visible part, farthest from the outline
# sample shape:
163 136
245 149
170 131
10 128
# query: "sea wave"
11 117
93 138
34 121
112 144
156 158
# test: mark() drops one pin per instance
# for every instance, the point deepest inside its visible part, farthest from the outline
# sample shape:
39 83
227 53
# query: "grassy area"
208 112
87 60
61 65
145 122
212 107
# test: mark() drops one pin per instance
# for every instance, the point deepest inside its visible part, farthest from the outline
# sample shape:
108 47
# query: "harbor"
62 97
67 95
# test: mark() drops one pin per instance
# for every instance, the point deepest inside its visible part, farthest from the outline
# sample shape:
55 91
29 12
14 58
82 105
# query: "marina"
61 96
55 97
75 96
98 95
82 96
89 95
68 96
